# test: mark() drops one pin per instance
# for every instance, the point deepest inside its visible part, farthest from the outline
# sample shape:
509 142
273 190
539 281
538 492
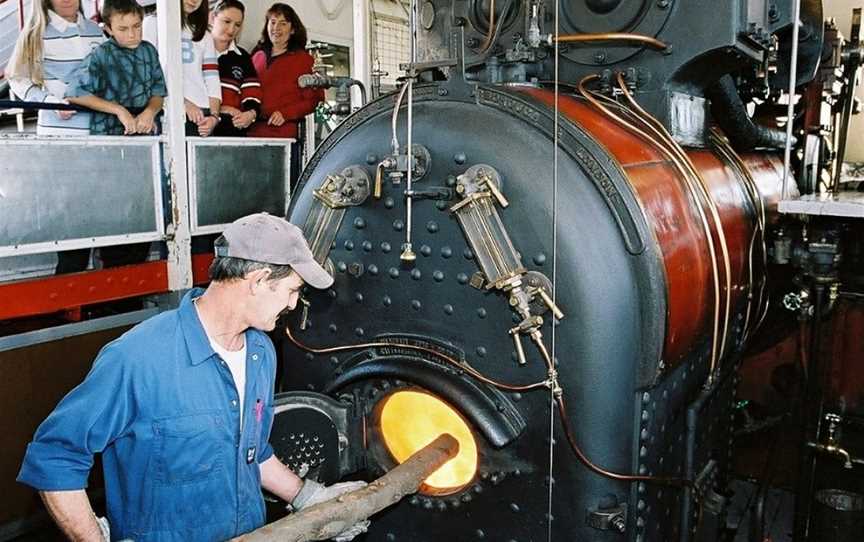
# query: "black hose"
731 114
20 104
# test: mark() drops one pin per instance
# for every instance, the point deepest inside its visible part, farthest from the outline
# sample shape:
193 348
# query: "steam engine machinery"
553 243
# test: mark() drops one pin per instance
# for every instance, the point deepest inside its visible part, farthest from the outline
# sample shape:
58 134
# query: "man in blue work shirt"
181 407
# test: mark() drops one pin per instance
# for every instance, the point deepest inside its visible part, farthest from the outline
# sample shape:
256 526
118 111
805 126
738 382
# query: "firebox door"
318 436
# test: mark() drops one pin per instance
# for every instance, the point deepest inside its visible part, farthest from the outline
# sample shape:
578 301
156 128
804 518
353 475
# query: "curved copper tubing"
610 36
491 31
678 223
440 355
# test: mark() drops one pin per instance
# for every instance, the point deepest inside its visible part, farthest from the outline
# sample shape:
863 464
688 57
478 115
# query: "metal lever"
520 352
530 326
304 315
556 312
502 201
379 172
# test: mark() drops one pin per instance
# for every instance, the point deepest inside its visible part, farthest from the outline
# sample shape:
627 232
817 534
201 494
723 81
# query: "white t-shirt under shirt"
200 64
236 362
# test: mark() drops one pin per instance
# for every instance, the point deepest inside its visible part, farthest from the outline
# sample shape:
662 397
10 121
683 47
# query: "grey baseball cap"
265 238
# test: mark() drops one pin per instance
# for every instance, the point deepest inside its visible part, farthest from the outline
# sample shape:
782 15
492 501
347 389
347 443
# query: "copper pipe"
440 355
664 135
571 439
558 394
682 168
725 150
611 36
491 31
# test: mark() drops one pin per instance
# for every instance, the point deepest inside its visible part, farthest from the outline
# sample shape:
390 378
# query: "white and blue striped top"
65 44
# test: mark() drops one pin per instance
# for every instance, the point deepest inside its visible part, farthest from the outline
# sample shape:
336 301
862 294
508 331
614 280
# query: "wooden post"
327 519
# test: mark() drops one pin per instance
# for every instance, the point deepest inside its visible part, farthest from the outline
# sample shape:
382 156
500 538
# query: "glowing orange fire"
411 419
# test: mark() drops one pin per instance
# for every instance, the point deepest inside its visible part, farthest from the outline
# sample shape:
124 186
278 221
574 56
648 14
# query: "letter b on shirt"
187 53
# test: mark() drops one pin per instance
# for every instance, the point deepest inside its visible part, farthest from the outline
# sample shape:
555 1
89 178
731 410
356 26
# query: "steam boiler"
550 243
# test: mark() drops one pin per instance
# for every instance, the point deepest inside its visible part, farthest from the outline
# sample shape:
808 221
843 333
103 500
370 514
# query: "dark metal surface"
311 434
735 38
608 347
434 299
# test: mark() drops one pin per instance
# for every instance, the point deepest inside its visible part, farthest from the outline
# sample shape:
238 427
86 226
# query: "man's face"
271 298
125 29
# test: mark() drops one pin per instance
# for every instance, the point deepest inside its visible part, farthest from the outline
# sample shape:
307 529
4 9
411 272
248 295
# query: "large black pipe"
731 114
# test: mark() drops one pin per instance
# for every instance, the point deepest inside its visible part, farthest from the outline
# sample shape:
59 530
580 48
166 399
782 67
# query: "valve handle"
556 311
502 201
304 317
379 172
520 352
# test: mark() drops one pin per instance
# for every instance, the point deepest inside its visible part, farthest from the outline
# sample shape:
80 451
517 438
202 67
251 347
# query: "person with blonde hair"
51 45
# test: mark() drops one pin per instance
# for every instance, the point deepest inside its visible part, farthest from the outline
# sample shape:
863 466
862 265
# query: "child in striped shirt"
51 45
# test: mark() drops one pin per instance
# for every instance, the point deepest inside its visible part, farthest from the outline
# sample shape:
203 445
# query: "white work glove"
313 492
105 528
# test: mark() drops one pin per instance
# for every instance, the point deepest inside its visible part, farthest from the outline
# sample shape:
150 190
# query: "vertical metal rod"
552 391
409 151
790 110
21 15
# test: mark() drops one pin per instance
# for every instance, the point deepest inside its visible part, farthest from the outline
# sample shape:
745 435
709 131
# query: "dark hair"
298 38
226 268
228 4
196 21
120 7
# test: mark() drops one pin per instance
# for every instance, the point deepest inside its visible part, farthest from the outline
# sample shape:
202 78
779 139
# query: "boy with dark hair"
121 79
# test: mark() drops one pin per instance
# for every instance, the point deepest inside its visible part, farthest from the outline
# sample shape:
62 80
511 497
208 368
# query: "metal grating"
390 47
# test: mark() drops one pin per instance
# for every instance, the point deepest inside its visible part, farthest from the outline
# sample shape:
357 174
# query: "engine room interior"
614 248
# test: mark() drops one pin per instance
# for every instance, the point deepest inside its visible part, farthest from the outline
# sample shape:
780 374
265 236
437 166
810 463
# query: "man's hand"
144 122
313 493
193 112
243 119
276 119
127 120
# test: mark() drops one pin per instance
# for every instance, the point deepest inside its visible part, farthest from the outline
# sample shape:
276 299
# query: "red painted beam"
62 292
48 295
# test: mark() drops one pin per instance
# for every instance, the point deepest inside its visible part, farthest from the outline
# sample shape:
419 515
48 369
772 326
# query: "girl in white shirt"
54 41
202 92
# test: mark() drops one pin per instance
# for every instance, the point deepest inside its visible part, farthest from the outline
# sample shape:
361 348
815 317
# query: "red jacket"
281 92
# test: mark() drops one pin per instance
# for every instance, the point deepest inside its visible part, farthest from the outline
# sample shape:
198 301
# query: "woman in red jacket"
280 58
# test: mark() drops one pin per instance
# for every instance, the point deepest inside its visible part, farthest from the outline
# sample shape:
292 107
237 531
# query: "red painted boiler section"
673 215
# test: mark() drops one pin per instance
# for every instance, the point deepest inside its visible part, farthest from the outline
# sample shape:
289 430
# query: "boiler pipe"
790 110
693 412
811 408
610 36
